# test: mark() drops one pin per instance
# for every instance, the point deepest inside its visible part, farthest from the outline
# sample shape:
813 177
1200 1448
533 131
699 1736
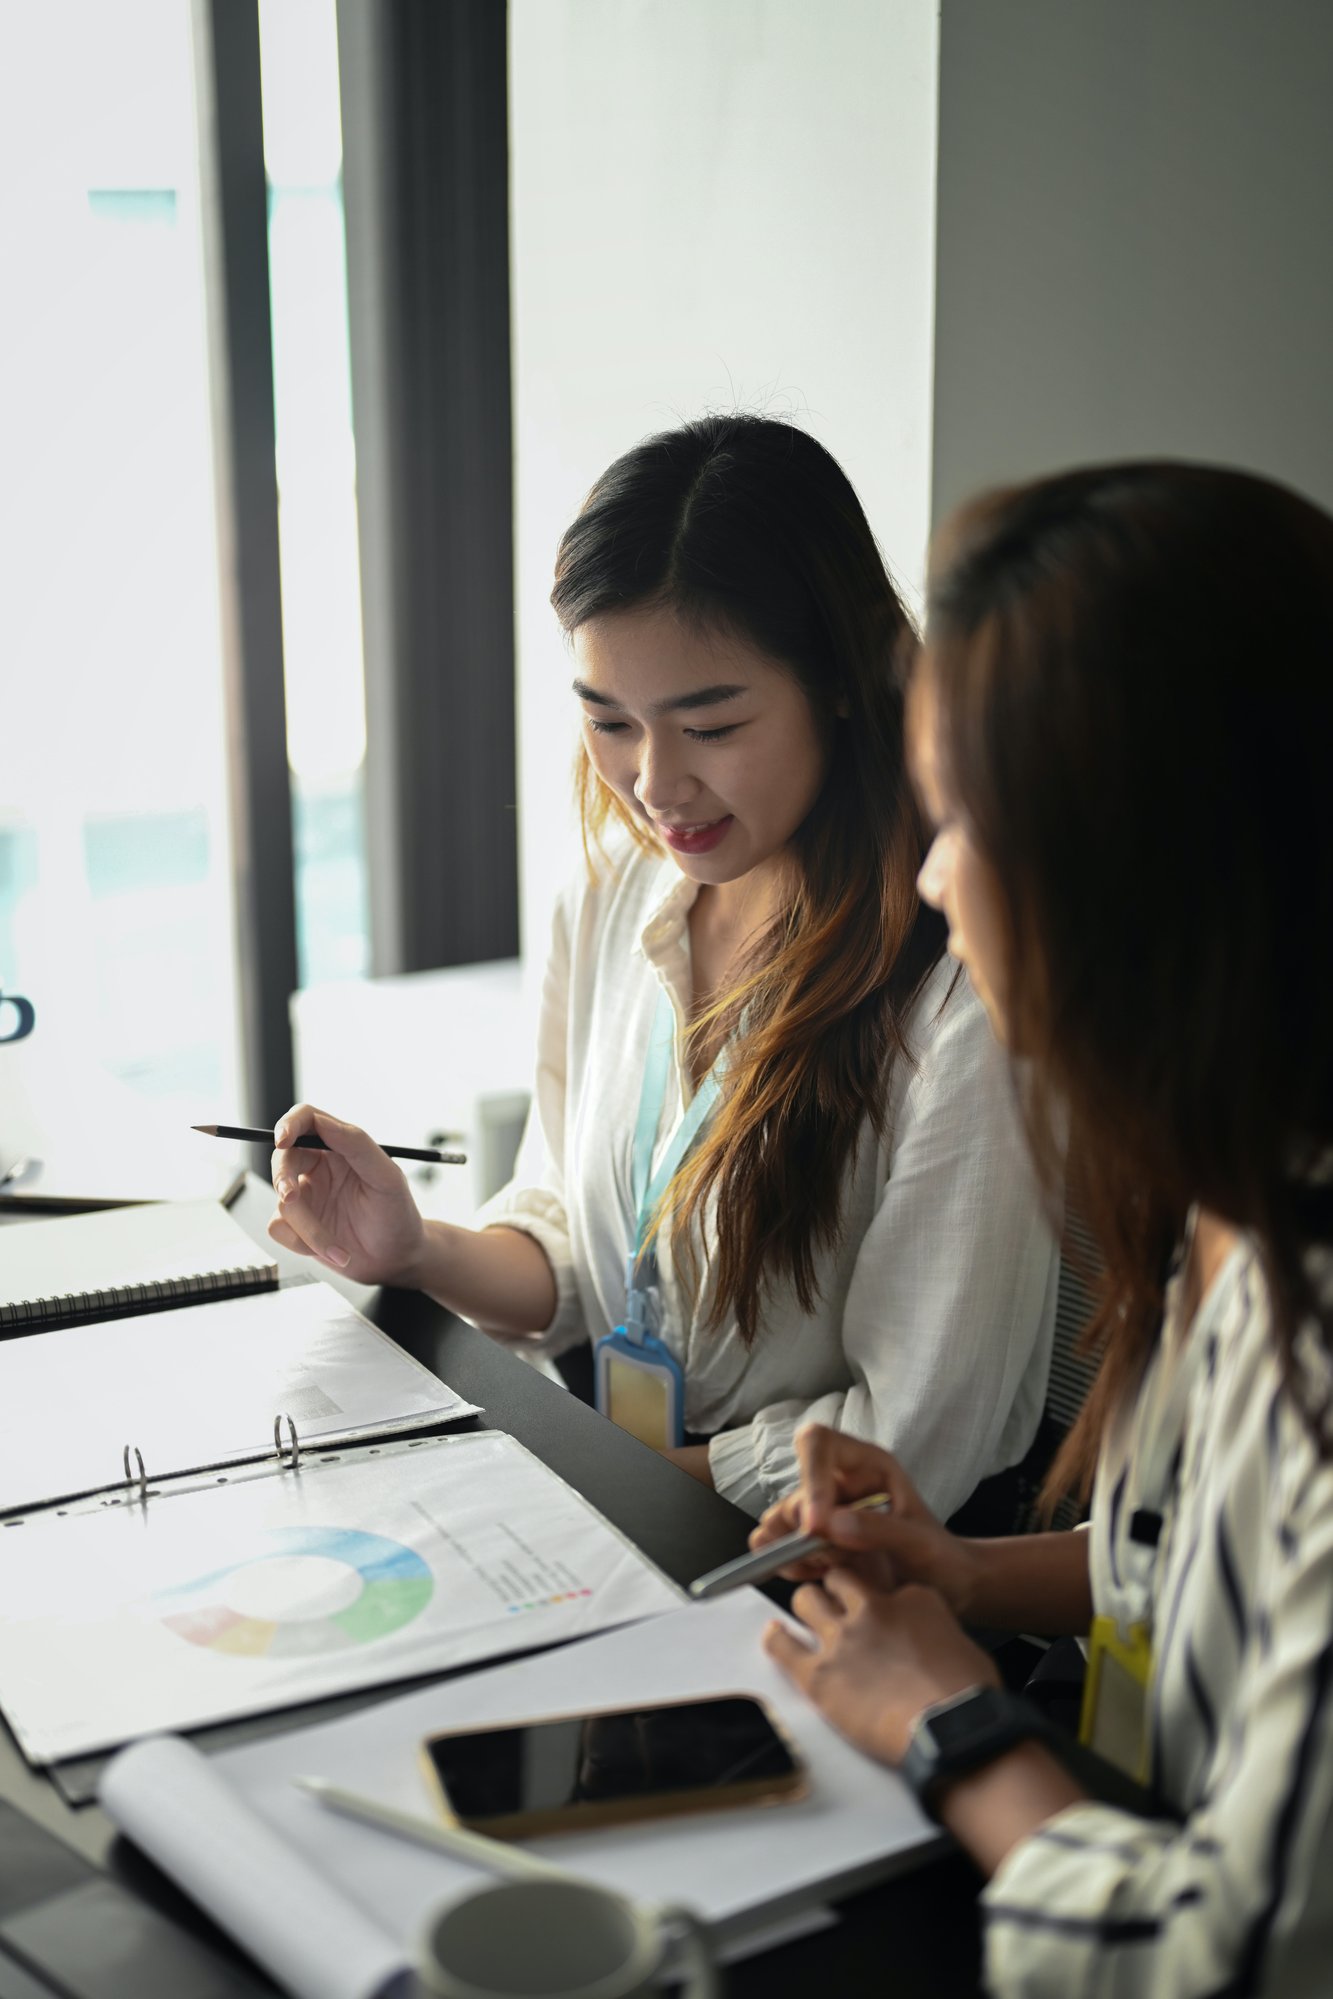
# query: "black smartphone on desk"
557 1773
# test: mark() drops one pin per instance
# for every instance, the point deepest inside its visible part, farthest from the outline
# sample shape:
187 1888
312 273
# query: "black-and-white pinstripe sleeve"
1238 1898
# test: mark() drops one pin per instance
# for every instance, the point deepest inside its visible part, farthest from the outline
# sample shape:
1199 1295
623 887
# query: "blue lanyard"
641 1267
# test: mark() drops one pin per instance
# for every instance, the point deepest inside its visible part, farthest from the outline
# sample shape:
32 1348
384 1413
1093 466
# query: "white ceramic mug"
559 1940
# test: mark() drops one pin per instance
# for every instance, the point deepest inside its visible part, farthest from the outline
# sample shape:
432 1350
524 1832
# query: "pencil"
309 1143
762 1566
498 1855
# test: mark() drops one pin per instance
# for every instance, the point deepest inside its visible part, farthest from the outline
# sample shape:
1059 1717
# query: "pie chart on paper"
308 1590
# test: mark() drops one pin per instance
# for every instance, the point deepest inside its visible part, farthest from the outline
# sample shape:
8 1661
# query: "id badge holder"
640 1387
639 1381
1114 1721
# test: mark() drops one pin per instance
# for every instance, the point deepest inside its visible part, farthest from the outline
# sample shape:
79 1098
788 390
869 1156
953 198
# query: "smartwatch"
962 1734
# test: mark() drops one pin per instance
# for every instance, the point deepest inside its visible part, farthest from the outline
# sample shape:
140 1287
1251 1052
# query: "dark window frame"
424 86
234 223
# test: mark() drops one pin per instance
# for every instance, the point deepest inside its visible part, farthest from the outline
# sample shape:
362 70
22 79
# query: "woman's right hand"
904 1543
350 1207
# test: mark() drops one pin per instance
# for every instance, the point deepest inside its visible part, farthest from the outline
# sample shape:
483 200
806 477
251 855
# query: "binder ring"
290 1453
133 1451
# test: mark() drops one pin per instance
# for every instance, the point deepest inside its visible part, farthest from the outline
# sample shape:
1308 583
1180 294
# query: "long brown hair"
745 525
1133 674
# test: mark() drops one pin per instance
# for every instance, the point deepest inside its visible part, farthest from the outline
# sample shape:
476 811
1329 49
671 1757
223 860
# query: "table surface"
915 1935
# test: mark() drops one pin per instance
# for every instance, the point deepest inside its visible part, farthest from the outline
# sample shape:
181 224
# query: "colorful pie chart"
309 1590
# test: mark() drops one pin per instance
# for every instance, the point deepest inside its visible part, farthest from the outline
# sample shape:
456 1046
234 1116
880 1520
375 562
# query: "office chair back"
1072 1375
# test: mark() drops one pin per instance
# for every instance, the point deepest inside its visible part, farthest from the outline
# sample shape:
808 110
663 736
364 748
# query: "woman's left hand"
877 1660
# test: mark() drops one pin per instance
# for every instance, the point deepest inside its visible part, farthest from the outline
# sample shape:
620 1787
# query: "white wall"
1135 237
714 202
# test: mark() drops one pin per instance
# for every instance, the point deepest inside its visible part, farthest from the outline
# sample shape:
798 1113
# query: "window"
317 522
115 911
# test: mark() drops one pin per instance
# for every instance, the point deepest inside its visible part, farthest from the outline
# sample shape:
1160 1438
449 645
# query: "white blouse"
933 1328
1236 1897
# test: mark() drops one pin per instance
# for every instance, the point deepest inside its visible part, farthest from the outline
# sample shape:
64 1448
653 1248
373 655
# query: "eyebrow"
700 697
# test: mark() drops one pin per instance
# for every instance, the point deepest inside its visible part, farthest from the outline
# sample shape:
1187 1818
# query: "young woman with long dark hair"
758 1080
1121 726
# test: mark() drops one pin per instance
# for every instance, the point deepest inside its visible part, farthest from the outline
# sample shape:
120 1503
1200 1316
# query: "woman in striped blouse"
1122 715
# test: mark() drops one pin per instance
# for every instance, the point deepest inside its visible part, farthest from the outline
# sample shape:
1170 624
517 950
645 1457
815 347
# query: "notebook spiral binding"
71 1307
127 1298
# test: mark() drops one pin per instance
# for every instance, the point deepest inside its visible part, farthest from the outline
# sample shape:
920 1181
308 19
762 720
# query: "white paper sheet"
740 1869
281 1587
197 1386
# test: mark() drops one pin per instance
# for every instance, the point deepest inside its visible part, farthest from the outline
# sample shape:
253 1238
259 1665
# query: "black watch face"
972 1723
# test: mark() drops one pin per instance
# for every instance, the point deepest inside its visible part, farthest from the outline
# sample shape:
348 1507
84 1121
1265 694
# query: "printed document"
278 1587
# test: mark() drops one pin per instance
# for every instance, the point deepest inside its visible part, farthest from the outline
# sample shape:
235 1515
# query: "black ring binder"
288 1455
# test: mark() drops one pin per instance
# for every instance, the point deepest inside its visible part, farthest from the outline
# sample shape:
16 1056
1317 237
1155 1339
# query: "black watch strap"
964 1733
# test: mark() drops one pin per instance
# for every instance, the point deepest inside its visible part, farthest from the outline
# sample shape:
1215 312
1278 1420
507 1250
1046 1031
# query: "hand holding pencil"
349 1205
901 1543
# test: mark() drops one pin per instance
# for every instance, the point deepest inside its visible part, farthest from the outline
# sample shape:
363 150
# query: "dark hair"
1133 671
746 525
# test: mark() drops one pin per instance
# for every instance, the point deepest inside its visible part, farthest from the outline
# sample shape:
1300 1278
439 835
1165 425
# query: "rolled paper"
314 1940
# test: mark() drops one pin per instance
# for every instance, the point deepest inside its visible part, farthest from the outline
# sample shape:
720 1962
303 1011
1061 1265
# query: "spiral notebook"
123 1260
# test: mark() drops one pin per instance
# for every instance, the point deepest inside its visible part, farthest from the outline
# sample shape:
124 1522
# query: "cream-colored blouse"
933 1329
